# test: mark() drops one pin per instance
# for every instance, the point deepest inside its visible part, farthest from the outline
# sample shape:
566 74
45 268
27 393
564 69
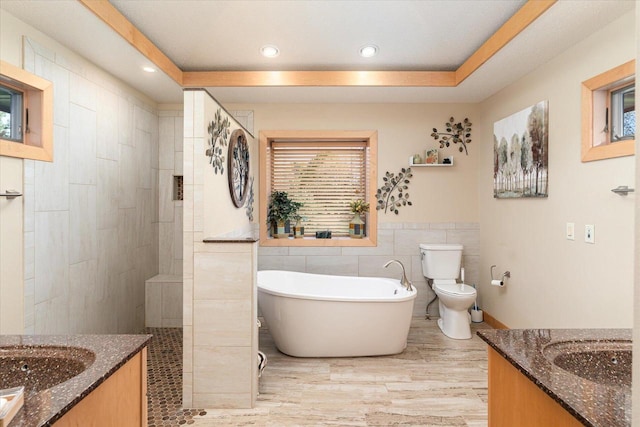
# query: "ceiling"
314 35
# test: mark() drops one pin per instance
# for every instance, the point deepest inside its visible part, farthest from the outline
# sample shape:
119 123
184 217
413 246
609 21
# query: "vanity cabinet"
514 400
121 400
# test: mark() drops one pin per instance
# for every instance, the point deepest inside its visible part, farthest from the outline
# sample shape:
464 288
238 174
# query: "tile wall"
91 216
395 241
171 124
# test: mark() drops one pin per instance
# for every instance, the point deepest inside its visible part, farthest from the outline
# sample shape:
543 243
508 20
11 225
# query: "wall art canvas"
521 153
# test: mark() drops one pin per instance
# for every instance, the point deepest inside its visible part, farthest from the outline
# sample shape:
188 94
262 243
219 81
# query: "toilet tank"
441 261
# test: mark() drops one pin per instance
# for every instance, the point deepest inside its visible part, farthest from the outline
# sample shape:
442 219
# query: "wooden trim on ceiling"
121 25
318 78
528 13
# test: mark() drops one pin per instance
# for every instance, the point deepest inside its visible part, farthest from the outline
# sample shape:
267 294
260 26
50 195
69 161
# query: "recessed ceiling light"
368 51
269 51
149 69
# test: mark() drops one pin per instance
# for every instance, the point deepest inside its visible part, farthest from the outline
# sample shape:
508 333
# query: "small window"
324 171
11 123
608 114
623 113
26 114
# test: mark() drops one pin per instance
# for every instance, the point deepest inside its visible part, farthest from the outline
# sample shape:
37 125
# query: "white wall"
557 282
90 216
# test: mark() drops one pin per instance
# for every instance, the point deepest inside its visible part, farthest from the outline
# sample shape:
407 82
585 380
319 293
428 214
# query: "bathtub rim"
410 295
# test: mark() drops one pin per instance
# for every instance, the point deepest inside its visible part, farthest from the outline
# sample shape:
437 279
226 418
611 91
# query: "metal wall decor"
455 132
218 134
393 183
250 198
238 167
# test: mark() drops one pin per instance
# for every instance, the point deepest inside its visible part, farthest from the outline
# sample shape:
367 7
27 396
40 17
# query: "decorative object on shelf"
394 183
238 167
298 228
446 161
250 199
417 159
323 234
357 225
455 132
218 134
280 211
431 156
521 155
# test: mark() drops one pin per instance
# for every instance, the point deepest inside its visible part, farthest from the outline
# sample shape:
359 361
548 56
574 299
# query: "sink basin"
603 362
38 368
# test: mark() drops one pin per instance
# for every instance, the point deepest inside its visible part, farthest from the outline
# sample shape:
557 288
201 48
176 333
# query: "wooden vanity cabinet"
121 400
514 400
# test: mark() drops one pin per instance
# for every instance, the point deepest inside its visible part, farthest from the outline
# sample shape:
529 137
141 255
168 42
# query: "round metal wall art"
238 167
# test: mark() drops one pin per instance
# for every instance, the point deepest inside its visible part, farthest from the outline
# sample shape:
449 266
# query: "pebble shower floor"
164 380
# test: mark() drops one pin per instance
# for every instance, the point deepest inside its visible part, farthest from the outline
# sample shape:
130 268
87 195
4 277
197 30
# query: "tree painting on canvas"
521 153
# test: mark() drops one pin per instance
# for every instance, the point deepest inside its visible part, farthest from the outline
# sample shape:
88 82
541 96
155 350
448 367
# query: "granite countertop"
108 352
602 403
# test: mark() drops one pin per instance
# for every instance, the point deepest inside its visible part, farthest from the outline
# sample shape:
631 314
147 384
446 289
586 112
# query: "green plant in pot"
280 212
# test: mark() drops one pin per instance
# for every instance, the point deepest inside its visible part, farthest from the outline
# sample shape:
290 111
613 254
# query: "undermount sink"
603 362
38 368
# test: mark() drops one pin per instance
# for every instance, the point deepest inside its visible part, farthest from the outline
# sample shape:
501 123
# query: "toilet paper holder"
506 274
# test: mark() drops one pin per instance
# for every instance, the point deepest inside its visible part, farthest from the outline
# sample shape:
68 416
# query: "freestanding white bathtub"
314 315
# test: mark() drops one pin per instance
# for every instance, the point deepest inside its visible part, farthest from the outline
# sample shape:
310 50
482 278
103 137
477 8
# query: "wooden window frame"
268 137
37 144
615 77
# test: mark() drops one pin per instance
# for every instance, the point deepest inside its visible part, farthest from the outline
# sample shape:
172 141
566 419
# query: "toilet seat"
455 290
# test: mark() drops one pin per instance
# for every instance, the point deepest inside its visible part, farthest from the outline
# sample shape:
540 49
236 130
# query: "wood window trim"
604 81
371 137
38 97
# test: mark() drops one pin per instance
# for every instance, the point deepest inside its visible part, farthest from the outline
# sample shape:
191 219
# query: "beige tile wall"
219 290
90 216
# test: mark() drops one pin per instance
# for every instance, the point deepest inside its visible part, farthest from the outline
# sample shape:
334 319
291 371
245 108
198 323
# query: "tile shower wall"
90 226
395 241
171 124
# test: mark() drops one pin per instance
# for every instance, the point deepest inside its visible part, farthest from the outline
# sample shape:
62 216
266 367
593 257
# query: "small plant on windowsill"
357 225
359 207
280 212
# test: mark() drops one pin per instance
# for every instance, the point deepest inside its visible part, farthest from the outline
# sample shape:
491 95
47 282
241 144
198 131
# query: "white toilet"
441 263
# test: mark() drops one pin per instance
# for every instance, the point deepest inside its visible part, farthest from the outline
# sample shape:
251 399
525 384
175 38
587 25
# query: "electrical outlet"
571 231
590 233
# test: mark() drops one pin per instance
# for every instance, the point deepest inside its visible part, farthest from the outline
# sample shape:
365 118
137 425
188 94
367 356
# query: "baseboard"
493 322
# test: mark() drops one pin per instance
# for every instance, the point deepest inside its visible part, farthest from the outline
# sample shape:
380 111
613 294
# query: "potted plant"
298 228
280 211
356 225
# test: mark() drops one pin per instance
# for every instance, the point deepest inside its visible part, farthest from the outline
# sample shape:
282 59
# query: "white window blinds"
324 176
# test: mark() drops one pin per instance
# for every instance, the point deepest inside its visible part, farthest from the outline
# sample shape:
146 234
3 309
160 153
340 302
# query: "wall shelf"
430 165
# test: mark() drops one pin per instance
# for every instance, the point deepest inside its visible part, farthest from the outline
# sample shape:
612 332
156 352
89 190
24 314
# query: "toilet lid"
455 289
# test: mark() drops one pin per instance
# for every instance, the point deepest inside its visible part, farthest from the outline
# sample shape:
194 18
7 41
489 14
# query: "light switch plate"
590 233
571 231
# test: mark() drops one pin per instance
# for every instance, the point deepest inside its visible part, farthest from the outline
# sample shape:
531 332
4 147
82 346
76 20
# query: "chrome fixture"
403 280
11 194
622 190
505 274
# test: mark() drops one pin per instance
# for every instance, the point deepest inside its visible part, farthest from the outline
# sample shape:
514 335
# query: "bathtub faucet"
403 280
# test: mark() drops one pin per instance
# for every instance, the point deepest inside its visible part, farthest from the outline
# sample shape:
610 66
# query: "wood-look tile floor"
436 381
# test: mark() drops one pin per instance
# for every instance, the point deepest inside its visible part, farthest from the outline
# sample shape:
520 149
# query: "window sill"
312 241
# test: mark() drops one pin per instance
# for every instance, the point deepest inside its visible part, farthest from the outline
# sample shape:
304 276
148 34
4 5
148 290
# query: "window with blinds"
324 176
